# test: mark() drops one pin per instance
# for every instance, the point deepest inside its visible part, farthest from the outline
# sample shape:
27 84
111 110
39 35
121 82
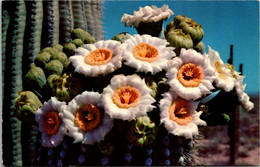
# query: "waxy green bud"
58 47
121 37
62 57
42 59
200 47
83 35
168 27
178 39
142 131
25 106
35 78
193 29
180 18
78 42
69 49
54 67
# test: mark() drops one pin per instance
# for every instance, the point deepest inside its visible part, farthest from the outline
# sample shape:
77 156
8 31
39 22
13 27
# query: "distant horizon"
224 23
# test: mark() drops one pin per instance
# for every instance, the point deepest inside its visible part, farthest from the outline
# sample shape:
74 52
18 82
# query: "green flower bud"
62 57
153 85
58 47
180 18
25 106
69 49
121 37
35 78
200 47
168 27
65 87
49 50
42 59
54 67
193 29
78 42
83 35
142 131
178 39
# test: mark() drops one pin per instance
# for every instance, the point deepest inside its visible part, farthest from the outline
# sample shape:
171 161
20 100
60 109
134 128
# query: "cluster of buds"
142 131
184 32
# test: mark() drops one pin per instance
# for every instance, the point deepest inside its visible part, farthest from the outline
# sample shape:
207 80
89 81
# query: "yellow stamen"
219 70
88 117
179 112
145 52
99 56
126 97
190 75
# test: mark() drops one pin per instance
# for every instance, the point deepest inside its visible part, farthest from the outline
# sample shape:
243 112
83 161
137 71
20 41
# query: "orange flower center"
179 112
99 56
145 52
126 97
88 117
219 70
52 122
190 75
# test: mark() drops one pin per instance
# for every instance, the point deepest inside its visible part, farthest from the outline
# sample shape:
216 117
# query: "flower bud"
69 49
58 47
54 67
62 57
168 27
35 78
25 106
83 35
121 37
178 39
78 42
42 59
200 47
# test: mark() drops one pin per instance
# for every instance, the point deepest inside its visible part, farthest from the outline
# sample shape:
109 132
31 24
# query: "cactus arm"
13 76
89 17
79 14
50 27
33 29
5 22
66 21
96 11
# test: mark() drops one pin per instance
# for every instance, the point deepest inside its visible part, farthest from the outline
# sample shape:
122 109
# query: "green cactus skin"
79 17
33 30
50 27
5 22
13 76
96 13
66 21
90 20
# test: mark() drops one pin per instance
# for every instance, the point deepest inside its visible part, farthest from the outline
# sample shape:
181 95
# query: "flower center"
219 70
52 122
179 112
99 56
145 52
88 117
126 97
190 75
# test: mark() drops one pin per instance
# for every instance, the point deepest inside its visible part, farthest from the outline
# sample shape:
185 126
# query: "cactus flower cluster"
133 90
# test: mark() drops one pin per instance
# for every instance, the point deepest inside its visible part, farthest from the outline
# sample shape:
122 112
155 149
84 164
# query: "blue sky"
224 23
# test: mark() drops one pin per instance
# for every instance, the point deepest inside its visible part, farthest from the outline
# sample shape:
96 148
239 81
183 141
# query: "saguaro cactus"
28 27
